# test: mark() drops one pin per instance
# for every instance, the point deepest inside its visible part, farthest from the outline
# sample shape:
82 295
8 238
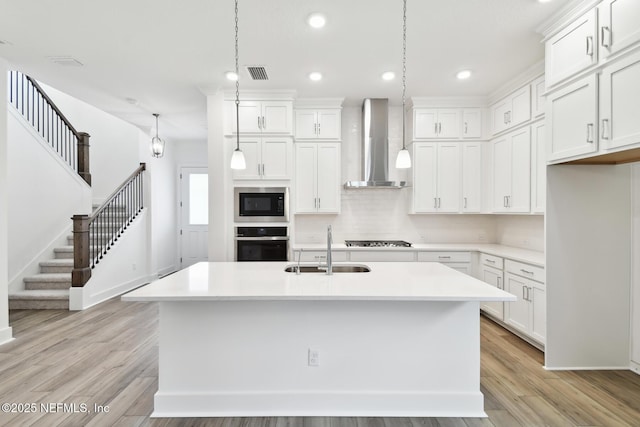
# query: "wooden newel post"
81 251
83 157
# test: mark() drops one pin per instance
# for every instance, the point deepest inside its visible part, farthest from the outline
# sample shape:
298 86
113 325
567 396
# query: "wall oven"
261 244
261 204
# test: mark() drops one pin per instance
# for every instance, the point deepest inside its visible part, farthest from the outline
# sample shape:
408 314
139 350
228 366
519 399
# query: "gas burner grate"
377 243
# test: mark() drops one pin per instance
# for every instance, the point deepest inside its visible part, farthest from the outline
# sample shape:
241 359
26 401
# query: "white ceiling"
166 54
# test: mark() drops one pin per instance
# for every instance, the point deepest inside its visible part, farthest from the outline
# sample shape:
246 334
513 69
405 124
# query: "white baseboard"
80 298
587 368
6 335
334 403
635 367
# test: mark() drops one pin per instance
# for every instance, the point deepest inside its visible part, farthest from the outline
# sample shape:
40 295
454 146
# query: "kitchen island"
248 339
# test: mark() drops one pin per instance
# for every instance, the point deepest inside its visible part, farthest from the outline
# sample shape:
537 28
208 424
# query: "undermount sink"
341 268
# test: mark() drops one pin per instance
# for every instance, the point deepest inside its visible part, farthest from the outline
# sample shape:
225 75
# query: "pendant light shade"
157 144
403 161
237 159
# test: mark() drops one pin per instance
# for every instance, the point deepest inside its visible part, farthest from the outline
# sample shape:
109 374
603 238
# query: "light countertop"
516 254
392 281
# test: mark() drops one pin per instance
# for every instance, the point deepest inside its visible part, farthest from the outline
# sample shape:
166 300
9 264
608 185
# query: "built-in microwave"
261 204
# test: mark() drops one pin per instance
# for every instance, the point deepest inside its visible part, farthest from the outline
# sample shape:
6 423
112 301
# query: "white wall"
191 153
522 231
161 197
5 330
44 193
635 256
114 142
588 266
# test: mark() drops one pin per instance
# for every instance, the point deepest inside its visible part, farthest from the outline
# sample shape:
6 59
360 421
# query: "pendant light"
237 159
157 144
403 161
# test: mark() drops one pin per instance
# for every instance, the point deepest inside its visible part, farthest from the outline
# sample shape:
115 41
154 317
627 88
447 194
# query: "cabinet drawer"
525 270
491 261
444 257
384 256
319 256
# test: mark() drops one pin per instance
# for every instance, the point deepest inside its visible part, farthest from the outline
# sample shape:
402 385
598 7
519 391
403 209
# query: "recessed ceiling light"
231 75
388 75
131 101
315 76
544 1
463 75
316 20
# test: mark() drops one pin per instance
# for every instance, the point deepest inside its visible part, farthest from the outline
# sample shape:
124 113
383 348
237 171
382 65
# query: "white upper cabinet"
572 50
317 183
511 172
619 25
471 177
620 103
324 124
511 111
436 186
571 117
538 167
265 117
471 123
537 97
431 123
267 158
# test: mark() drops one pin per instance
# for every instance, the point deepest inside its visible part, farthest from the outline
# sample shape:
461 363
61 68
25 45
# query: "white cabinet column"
5 330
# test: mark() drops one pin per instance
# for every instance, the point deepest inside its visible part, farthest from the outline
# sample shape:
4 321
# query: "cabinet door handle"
263 169
315 203
526 271
435 202
439 127
590 132
319 129
435 128
605 126
524 297
504 201
605 36
465 202
508 201
590 45
499 282
443 257
465 128
315 128
504 118
439 203
259 125
490 261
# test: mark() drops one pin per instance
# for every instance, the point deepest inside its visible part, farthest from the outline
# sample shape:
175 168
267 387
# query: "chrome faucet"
299 256
329 241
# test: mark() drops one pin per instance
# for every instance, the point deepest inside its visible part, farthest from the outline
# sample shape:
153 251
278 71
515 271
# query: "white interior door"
194 215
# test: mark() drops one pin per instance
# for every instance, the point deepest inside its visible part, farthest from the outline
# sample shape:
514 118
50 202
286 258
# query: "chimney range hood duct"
375 147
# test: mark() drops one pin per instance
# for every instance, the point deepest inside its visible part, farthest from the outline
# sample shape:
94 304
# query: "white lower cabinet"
494 277
460 261
317 185
528 313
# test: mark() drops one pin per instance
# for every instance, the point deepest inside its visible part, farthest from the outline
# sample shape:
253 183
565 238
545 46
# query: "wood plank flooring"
107 357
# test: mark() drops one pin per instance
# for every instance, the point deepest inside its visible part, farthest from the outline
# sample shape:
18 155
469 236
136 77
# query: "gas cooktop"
377 243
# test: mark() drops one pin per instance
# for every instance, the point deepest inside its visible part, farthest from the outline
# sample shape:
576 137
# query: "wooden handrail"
113 195
53 106
95 234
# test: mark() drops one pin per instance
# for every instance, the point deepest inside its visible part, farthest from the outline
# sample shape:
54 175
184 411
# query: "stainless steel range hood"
375 147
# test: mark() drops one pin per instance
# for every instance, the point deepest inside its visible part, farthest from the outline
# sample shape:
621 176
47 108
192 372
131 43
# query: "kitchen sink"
340 268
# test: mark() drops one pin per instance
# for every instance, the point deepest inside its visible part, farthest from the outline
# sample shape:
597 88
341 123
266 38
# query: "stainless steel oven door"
272 248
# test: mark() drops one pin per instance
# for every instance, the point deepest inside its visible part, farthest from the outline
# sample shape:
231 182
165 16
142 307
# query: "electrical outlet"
313 358
481 237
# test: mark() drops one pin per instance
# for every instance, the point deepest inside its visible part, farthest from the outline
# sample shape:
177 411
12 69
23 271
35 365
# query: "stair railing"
26 95
95 234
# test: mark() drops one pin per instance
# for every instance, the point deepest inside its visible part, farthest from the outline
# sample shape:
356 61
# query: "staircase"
49 289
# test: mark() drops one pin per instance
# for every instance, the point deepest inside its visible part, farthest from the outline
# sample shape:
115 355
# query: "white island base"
236 339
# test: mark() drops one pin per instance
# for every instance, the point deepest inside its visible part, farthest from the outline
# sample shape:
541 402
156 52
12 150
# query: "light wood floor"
108 356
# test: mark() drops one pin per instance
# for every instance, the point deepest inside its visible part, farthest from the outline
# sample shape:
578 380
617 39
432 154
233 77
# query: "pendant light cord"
238 86
404 69
156 114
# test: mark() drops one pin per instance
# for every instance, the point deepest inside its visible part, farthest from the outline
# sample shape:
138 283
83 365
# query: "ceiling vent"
66 61
257 72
